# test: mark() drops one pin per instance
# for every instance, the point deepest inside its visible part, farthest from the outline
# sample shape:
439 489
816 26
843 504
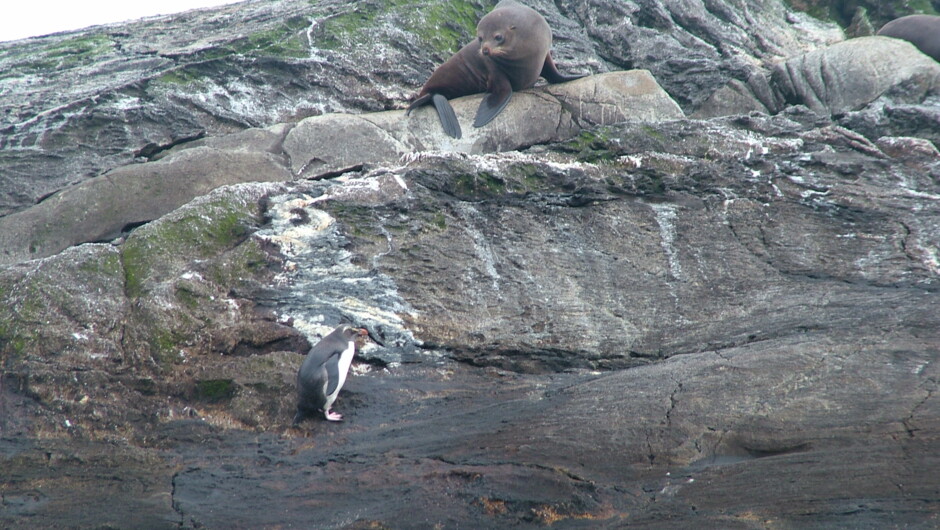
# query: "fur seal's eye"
480 39
498 38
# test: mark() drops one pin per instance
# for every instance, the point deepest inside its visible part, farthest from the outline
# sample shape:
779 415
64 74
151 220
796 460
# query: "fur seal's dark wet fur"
511 52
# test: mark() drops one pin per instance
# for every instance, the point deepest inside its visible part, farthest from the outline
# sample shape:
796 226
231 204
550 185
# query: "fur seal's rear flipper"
497 97
418 102
446 113
552 75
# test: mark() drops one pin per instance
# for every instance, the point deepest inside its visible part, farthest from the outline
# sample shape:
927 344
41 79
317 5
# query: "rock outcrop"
79 104
850 75
595 312
99 209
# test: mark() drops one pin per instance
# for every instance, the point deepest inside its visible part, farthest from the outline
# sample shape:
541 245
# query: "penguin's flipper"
500 91
552 75
446 113
332 374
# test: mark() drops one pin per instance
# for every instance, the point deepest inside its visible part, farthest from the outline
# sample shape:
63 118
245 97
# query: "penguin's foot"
334 416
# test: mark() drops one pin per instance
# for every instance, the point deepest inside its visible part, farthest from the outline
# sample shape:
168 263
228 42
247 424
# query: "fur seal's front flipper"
446 113
552 75
497 97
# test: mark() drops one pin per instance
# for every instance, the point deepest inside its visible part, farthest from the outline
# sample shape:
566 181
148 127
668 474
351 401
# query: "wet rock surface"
729 322
641 326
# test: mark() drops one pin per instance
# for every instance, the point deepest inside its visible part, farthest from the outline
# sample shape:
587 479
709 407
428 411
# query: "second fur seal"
511 51
923 31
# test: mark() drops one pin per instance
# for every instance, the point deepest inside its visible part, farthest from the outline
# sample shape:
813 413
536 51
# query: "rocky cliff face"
78 104
594 313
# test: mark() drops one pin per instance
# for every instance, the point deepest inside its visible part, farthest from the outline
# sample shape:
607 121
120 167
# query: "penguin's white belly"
345 360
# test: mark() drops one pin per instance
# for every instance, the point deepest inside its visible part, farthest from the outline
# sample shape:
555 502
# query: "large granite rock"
850 75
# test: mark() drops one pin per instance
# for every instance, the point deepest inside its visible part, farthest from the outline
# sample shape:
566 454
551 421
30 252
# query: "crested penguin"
323 372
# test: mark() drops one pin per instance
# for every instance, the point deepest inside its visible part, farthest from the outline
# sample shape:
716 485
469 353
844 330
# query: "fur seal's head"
497 34
513 32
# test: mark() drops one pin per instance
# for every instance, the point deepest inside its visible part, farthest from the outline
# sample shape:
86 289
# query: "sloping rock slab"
849 75
323 145
99 209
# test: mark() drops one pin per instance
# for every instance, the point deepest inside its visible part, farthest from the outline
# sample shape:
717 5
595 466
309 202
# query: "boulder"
330 144
851 75
99 209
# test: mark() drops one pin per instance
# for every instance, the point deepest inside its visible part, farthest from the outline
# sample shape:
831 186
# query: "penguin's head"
350 332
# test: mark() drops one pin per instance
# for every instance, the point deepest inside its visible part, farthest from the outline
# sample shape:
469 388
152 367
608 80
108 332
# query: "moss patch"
591 146
444 27
440 221
177 76
215 390
201 232
13 344
165 346
447 26
815 8
287 39
109 266
483 183
80 50
244 263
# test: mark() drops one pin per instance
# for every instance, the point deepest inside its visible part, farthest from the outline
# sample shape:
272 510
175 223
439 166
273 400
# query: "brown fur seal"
511 51
923 31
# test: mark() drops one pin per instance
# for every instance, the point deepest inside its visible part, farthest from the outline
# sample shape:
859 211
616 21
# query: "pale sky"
31 18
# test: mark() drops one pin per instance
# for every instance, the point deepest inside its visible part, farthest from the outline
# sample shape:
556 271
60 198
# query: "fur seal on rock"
511 51
923 31
323 373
